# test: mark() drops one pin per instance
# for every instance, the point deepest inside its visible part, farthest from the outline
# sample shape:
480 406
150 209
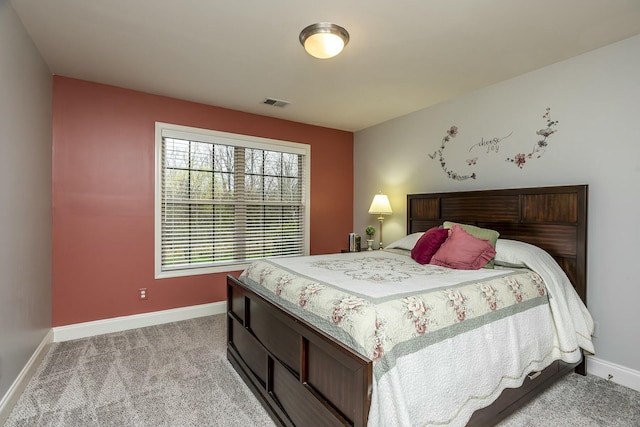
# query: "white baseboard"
619 374
13 394
117 324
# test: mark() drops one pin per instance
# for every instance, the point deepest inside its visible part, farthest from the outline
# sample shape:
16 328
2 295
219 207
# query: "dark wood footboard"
301 375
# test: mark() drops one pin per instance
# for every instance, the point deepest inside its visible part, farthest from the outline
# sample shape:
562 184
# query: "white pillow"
513 253
407 242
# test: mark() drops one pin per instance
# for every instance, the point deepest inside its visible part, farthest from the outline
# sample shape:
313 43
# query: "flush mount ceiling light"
324 39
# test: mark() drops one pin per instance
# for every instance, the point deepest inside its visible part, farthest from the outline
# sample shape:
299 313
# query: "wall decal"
539 148
451 133
492 146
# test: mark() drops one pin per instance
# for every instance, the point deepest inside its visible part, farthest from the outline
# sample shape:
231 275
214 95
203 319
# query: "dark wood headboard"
553 218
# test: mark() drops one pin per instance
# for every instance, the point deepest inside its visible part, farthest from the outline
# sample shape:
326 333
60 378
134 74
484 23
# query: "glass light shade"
324 39
323 45
380 205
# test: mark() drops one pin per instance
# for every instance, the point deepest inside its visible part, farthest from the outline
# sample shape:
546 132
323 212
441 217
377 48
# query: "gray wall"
596 99
25 194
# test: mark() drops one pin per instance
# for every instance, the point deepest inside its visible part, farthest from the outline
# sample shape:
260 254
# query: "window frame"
238 140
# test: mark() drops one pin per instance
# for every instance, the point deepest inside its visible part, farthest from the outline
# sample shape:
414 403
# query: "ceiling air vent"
276 102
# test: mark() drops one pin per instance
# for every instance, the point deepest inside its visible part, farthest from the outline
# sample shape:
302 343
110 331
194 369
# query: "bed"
303 375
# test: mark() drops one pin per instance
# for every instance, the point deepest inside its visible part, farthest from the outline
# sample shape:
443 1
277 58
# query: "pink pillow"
428 244
462 251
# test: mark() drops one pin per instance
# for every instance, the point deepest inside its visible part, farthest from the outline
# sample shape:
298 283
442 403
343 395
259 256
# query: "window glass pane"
176 153
223 186
224 158
253 189
253 161
173 233
201 185
176 184
290 164
272 188
201 156
201 233
290 190
272 163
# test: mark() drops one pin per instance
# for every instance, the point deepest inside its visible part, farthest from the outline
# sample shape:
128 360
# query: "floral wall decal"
451 133
539 148
492 145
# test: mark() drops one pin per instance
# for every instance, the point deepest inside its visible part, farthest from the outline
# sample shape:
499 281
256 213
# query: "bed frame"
303 376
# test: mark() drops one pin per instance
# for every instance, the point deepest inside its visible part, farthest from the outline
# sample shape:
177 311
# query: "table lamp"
380 206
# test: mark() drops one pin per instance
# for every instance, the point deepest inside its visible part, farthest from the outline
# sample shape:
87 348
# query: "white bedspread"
451 367
443 384
573 322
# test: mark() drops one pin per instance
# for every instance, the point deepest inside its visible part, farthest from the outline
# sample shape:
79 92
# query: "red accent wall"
103 196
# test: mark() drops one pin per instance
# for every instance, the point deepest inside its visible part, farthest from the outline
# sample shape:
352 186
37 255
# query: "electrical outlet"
596 328
143 294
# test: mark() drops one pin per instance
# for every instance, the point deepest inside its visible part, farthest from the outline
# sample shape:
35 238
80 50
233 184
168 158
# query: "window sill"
199 271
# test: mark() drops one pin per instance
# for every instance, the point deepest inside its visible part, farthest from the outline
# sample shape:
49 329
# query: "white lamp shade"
380 205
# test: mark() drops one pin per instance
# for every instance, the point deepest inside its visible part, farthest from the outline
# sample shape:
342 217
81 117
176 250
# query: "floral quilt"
376 301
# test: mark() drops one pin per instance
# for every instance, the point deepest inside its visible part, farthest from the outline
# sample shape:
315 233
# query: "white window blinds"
227 201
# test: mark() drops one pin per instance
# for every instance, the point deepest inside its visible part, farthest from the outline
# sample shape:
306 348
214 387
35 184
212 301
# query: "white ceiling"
403 55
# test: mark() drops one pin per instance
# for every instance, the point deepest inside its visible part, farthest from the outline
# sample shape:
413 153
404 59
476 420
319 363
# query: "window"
223 200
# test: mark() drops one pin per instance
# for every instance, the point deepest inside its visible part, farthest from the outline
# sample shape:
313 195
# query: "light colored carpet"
177 374
580 401
174 374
